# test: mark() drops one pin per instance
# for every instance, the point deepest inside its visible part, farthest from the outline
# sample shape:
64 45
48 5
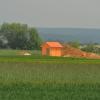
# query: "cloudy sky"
51 13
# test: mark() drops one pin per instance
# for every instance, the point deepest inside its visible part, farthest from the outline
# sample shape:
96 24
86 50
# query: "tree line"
87 47
19 36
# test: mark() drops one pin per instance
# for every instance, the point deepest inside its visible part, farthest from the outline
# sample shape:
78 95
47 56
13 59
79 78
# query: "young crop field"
48 78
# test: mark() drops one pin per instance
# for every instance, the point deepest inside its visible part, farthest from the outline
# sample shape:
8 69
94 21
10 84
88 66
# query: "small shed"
52 49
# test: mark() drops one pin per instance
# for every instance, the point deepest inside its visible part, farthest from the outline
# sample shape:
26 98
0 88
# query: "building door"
47 51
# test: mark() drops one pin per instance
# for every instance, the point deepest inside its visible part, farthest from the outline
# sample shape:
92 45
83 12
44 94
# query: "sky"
51 13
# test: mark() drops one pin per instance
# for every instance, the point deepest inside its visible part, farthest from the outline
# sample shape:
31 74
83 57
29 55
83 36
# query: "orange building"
52 49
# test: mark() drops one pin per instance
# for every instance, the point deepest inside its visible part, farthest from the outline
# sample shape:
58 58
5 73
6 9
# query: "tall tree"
20 36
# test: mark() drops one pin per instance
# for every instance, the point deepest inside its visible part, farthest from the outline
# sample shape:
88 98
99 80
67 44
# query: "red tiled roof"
54 44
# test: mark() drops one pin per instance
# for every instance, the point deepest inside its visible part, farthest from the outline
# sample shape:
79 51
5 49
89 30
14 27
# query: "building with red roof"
52 49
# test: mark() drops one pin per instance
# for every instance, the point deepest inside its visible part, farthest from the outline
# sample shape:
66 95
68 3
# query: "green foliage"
39 81
91 48
38 73
36 57
48 78
74 44
34 40
20 36
49 92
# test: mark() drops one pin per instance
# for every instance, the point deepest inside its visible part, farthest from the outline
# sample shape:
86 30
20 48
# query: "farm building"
52 49
65 50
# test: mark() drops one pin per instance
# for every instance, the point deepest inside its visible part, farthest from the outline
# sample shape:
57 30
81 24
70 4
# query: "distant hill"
70 34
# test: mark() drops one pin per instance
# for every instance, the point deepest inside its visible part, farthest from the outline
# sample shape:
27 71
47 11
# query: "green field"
48 78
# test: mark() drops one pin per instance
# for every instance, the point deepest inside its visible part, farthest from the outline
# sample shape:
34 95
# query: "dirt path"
69 51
